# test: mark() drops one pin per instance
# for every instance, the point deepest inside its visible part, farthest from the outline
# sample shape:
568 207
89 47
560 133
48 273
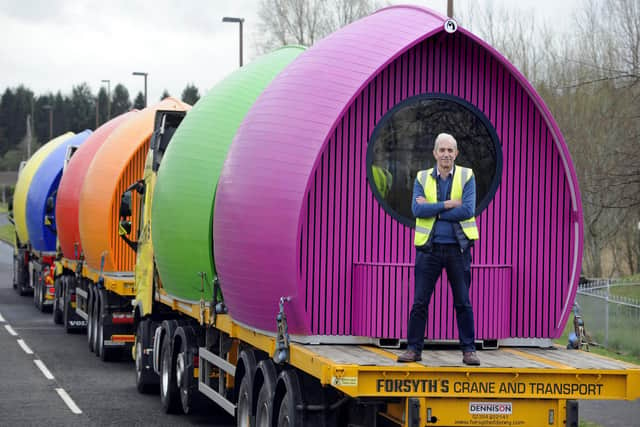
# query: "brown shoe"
470 358
409 356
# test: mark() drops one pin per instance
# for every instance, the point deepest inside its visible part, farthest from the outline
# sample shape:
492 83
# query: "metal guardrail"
601 288
612 320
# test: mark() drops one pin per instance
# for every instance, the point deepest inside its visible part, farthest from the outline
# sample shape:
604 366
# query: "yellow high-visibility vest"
424 226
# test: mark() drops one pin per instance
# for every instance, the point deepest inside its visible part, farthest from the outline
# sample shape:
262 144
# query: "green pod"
183 200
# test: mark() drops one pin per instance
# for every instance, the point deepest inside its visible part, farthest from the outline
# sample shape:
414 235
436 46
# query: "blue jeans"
428 269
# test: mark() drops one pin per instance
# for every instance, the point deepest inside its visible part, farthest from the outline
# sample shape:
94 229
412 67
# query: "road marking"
44 369
1 318
69 401
10 330
25 347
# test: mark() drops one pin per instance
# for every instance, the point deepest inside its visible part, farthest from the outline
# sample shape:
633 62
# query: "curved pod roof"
24 182
183 200
68 198
323 238
44 184
118 163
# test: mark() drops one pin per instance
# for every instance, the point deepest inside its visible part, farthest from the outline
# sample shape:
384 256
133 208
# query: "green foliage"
103 106
120 102
15 106
165 94
82 109
139 103
8 233
190 94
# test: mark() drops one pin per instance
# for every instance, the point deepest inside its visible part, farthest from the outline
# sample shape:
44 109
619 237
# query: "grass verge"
8 234
625 357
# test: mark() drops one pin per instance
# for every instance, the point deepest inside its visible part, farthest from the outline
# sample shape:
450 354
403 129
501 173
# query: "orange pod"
117 164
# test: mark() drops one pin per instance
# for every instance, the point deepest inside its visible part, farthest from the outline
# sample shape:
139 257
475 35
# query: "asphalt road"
100 393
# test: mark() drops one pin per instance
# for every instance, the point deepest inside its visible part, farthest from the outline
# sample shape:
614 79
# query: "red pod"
68 199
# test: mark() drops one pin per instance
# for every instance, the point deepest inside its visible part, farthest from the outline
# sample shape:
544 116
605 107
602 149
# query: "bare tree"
589 79
303 22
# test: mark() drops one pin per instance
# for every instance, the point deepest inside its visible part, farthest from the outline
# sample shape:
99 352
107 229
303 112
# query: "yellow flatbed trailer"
112 293
513 386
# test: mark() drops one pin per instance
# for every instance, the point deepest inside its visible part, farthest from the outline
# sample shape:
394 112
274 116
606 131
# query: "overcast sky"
51 45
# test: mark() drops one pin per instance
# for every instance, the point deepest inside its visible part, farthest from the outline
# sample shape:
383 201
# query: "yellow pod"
24 182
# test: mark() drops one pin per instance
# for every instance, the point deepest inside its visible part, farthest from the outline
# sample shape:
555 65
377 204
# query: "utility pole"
140 73
450 8
29 135
108 82
239 21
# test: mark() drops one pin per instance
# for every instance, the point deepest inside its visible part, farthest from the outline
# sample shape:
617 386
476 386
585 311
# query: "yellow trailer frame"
514 386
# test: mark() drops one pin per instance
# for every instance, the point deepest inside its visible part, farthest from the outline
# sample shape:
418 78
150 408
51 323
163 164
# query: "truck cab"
165 124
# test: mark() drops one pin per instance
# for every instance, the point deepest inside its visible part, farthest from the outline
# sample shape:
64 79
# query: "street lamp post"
108 82
140 73
239 21
50 108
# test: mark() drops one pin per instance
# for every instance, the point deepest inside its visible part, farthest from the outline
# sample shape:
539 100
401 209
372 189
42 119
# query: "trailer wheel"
169 395
90 329
57 312
67 308
244 410
246 372
147 380
16 270
264 405
95 313
36 289
107 354
288 416
22 274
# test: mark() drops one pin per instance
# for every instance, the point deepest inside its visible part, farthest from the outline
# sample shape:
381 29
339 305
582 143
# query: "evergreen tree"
120 102
82 111
138 103
16 105
190 94
103 106
41 119
165 94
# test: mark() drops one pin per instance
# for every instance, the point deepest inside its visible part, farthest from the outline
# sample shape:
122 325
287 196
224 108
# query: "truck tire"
90 329
264 405
35 290
22 274
244 411
147 381
95 312
245 415
57 311
169 394
15 272
67 310
107 354
288 416
187 386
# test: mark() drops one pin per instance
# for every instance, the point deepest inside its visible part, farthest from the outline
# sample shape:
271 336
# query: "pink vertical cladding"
296 215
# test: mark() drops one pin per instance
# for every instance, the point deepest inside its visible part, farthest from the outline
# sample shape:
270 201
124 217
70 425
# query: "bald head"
445 151
445 137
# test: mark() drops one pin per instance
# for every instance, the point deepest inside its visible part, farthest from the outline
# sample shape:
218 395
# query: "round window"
402 144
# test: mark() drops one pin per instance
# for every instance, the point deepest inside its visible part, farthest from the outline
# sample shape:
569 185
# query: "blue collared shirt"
443 229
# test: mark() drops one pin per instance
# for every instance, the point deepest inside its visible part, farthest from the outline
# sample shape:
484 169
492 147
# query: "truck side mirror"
125 204
50 206
125 227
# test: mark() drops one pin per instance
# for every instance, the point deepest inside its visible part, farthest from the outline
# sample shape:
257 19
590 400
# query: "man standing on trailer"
444 202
